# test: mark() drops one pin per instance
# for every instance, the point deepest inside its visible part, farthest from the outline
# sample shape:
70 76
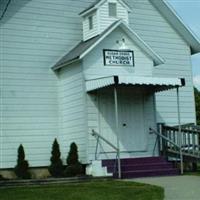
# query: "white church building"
98 73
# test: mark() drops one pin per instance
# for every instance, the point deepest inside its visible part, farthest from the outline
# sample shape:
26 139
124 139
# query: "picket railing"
181 141
187 140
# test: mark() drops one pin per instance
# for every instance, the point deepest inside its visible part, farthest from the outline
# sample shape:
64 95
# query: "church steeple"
101 15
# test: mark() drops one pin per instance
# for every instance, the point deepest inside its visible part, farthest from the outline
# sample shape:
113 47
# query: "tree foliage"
74 167
21 169
56 166
197 101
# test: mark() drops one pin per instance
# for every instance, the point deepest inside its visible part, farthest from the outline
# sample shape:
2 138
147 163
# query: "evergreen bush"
74 167
56 166
21 169
1 177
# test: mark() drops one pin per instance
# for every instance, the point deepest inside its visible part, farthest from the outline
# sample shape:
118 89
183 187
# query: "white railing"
98 137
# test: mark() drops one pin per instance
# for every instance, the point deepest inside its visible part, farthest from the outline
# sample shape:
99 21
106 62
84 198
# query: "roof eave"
155 57
99 40
125 5
158 60
84 13
170 14
56 67
93 8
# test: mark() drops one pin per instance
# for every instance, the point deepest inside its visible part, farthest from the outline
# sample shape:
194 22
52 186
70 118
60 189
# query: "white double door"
132 135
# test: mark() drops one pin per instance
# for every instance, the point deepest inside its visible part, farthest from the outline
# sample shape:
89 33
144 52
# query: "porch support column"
179 129
117 126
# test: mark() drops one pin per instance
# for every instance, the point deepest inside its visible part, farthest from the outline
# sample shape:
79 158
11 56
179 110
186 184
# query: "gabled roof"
97 4
84 47
168 12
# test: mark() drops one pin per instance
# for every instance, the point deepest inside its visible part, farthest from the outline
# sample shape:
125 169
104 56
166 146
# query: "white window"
90 22
112 9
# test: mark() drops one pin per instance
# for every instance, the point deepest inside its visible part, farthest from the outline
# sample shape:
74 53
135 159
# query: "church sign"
118 57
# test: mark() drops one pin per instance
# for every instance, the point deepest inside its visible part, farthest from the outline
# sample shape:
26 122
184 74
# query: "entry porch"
120 112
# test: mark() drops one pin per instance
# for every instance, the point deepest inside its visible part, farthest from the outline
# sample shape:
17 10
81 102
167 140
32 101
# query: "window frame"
112 9
91 22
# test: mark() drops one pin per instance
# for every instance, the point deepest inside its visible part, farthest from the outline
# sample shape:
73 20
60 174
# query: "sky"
189 12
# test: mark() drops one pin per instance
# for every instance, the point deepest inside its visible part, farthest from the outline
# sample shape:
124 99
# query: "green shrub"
56 166
74 167
21 169
1 177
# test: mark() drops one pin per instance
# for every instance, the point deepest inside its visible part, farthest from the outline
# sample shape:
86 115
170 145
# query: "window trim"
91 22
112 5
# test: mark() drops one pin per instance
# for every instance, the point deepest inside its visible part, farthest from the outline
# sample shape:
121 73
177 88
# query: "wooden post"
160 140
117 130
179 129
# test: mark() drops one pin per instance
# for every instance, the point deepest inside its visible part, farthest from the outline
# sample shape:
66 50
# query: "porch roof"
159 84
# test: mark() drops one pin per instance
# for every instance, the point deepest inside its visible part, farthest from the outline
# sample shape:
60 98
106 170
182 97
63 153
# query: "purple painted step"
127 161
148 173
141 167
153 166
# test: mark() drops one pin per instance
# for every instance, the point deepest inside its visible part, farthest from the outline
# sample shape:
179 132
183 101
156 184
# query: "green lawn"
193 173
96 190
197 173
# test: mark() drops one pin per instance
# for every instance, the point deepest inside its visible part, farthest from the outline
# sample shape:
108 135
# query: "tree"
74 167
56 166
21 169
197 101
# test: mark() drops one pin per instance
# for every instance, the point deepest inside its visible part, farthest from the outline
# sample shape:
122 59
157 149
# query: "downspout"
116 80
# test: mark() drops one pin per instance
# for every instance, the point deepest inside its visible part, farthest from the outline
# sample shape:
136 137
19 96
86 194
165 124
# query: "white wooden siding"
94 66
87 33
34 34
93 102
73 120
105 20
93 123
160 35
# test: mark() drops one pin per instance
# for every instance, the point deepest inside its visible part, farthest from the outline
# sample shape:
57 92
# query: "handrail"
175 128
189 136
162 136
98 136
94 133
173 143
183 143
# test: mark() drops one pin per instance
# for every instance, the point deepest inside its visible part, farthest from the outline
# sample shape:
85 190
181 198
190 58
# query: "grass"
95 190
196 173
193 173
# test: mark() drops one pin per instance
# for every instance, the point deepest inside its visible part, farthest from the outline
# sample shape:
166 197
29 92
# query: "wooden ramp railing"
187 139
180 143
